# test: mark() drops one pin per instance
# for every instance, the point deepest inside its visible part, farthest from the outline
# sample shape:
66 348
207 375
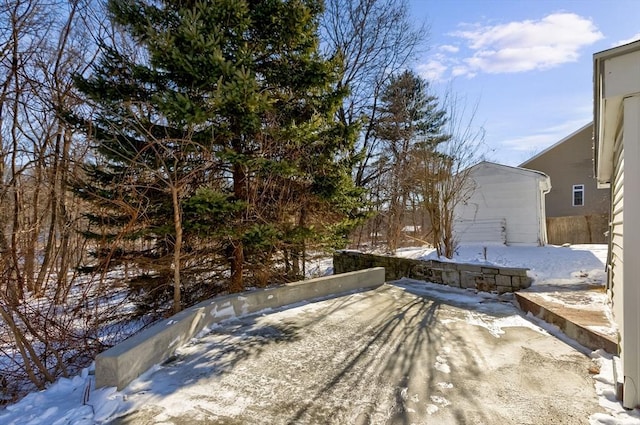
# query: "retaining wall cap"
124 362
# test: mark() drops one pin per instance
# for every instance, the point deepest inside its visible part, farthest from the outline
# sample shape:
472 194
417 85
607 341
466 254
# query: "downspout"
545 187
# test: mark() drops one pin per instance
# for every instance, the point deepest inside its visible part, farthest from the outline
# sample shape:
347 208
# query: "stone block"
448 266
521 282
485 283
468 279
504 289
428 263
503 280
513 271
420 272
451 278
489 270
403 269
391 274
435 276
470 267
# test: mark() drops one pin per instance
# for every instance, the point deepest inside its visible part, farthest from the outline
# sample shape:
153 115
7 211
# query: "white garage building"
506 206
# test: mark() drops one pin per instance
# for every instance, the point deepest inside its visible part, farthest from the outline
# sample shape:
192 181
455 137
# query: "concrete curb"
585 336
121 364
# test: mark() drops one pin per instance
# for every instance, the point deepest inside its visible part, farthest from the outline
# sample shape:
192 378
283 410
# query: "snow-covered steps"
587 323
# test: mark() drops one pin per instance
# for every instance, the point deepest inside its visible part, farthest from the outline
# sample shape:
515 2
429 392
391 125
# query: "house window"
578 195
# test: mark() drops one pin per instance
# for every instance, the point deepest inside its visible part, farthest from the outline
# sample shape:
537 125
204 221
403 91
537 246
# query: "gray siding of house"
570 163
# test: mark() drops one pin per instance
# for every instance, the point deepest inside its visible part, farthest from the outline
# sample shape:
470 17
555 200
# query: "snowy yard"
245 370
547 263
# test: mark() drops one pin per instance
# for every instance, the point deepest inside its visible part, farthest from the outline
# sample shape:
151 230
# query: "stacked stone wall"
487 278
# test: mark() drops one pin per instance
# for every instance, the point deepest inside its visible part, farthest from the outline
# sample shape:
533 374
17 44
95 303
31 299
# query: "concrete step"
581 324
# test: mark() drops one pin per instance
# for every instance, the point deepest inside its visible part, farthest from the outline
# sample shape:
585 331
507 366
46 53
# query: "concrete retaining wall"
475 276
124 362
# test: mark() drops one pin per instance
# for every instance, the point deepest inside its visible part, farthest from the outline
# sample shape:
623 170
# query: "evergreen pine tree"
410 124
229 99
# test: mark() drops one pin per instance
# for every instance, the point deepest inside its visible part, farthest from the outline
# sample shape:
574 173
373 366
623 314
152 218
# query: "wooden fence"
577 229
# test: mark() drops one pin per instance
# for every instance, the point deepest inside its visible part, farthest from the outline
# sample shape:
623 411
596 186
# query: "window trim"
577 188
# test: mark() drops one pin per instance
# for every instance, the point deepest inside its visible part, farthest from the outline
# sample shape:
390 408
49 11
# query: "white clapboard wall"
481 231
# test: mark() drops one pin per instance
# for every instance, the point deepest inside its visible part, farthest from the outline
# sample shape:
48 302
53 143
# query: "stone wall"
487 278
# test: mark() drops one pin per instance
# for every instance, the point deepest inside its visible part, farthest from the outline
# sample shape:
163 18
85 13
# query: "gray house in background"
577 210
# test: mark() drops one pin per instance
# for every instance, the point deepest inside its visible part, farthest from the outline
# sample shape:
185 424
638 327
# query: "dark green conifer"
220 121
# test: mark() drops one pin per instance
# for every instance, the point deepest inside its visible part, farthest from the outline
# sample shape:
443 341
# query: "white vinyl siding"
504 197
616 235
617 137
479 231
630 333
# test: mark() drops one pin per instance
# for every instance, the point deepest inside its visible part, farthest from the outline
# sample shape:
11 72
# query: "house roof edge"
522 170
539 154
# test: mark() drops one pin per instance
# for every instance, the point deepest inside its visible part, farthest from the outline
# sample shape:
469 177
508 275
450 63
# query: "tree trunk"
236 255
295 262
49 252
34 225
237 267
177 249
27 351
60 181
17 291
63 287
303 247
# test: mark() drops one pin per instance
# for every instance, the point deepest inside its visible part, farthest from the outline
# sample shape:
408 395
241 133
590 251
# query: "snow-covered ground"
76 401
562 264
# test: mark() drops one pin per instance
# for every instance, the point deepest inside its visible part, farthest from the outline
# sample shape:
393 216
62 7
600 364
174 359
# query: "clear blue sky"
526 63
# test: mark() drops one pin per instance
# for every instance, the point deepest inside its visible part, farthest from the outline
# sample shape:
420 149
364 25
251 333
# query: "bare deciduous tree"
375 39
441 175
40 245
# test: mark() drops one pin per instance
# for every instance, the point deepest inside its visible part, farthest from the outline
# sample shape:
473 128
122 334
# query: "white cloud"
546 137
527 45
631 39
432 70
439 63
520 59
533 143
449 48
512 47
462 71
563 29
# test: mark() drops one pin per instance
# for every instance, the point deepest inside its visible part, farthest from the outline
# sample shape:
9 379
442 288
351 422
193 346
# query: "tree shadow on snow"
393 355
415 338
